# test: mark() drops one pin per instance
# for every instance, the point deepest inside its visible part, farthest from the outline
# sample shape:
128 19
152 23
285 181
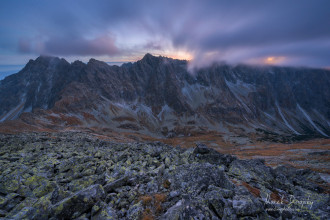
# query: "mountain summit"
157 96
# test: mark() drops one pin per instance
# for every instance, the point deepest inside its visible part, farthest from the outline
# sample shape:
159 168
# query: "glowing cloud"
274 60
181 55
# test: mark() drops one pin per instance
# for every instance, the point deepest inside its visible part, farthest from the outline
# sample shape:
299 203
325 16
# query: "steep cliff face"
38 85
158 96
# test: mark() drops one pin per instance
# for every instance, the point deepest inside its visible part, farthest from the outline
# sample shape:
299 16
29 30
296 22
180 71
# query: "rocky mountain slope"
157 96
75 176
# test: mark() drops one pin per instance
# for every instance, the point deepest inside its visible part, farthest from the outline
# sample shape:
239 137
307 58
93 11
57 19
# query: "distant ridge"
157 96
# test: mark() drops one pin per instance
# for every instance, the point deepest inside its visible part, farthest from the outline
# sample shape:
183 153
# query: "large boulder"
106 212
78 203
192 179
252 170
246 205
183 210
202 153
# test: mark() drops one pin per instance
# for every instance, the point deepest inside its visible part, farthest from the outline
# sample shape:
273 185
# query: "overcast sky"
288 32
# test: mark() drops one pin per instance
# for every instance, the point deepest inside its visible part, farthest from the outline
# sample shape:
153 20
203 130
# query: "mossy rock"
43 206
105 213
28 202
135 211
44 188
25 213
78 203
34 181
9 185
82 183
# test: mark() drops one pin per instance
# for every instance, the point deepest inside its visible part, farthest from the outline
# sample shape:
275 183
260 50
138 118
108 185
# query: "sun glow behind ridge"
181 55
274 60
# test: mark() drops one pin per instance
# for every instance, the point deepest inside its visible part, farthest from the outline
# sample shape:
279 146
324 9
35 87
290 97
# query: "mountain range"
159 97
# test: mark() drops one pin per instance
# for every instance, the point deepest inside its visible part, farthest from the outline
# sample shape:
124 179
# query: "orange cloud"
274 60
177 54
181 56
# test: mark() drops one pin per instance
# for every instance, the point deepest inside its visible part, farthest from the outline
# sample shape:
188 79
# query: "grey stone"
78 203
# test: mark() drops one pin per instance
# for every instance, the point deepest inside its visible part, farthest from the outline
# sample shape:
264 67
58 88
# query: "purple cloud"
249 31
75 45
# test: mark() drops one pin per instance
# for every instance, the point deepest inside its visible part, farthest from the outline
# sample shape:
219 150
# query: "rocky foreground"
77 176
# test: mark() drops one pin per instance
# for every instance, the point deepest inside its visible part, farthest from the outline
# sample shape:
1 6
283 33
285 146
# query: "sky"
282 32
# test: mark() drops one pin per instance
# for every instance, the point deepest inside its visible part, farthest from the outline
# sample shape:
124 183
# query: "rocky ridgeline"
76 176
157 96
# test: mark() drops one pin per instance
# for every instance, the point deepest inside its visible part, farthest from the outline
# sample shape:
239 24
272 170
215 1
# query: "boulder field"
73 175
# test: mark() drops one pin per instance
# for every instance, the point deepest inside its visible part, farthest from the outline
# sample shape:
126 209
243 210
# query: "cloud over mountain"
209 31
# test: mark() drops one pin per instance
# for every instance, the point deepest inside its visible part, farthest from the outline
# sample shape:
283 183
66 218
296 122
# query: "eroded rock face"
73 175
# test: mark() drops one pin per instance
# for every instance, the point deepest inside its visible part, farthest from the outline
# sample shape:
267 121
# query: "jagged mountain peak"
49 60
95 62
148 56
150 59
47 57
78 63
44 65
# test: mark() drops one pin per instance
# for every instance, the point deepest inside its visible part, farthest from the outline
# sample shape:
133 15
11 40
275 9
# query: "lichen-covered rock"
72 175
78 203
247 206
204 154
44 188
105 213
10 201
195 178
3 213
81 183
247 170
135 211
42 207
25 213
9 183
216 202
292 176
59 194
109 187
189 210
28 202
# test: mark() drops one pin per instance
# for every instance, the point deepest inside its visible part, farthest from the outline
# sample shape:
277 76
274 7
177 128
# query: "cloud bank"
259 32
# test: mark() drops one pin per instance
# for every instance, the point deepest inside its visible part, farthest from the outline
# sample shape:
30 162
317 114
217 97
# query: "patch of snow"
325 177
311 121
38 89
146 109
245 118
14 113
285 121
54 114
322 117
241 89
122 105
241 101
196 94
185 91
269 116
28 109
165 109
